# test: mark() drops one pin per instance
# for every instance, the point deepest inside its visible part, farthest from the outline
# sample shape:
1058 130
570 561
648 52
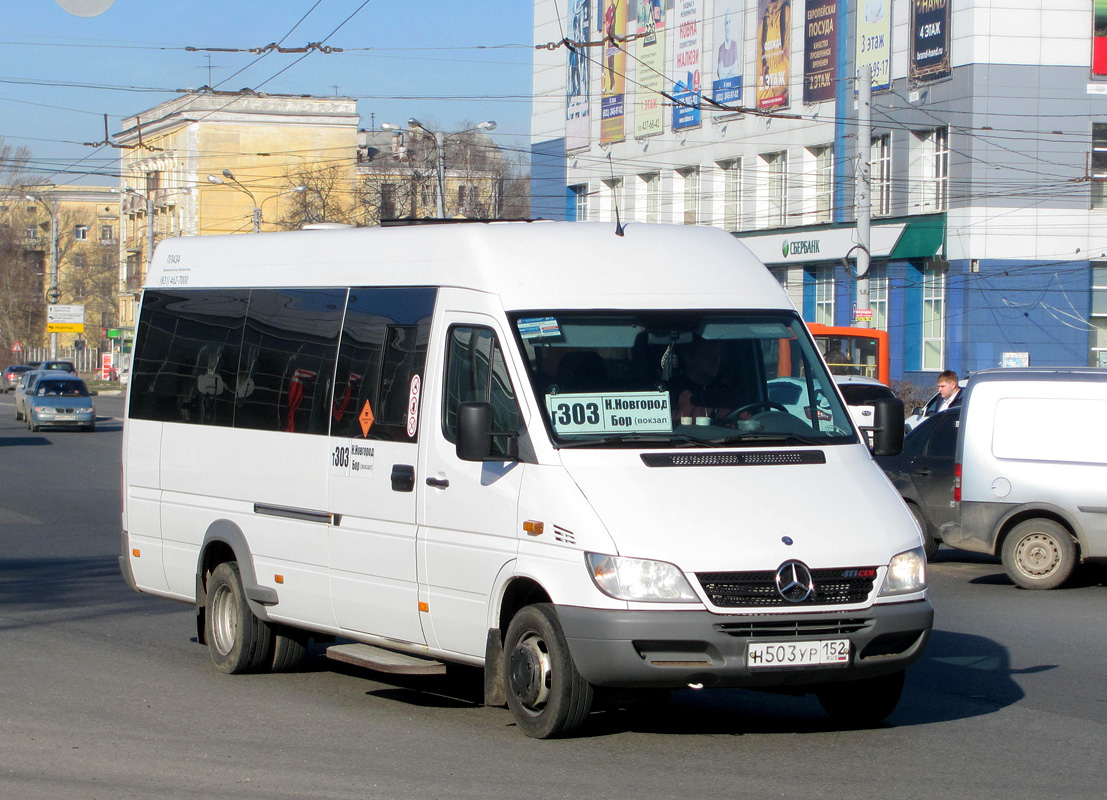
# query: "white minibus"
544 449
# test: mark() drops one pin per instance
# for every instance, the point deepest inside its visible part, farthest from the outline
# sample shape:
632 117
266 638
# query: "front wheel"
863 703
545 693
1039 554
237 640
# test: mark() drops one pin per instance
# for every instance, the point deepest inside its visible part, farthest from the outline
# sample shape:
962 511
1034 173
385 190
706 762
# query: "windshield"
73 388
690 378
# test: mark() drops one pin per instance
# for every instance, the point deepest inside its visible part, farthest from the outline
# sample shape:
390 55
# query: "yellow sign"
65 327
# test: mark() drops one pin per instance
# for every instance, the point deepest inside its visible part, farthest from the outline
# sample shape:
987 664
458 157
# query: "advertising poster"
820 50
577 85
774 20
1099 38
687 70
613 72
874 41
649 111
929 40
729 36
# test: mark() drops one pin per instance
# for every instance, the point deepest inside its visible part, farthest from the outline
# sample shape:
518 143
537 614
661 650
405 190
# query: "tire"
31 426
1039 554
18 416
545 693
289 649
863 703
90 427
930 543
237 640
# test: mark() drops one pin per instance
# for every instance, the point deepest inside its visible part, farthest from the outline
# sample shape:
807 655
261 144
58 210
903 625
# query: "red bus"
854 351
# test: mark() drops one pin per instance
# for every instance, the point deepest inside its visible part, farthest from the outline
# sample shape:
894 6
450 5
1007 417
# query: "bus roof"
555 265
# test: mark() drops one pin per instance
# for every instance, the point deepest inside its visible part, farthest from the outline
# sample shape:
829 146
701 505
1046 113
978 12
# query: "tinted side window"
384 346
186 356
943 442
475 371
288 357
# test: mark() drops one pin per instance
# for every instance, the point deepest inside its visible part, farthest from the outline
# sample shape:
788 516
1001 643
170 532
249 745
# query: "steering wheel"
768 405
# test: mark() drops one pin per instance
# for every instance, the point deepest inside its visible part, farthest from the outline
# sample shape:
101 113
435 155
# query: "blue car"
60 400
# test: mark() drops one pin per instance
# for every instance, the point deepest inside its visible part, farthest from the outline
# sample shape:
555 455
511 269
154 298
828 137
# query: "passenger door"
469 510
932 471
374 451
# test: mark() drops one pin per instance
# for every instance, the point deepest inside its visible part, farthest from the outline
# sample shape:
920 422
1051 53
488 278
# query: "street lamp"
235 184
53 295
439 137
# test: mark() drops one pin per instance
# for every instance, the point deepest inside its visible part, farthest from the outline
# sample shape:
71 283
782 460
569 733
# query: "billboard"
820 50
929 40
613 69
874 41
729 37
774 20
578 79
687 71
649 111
1099 38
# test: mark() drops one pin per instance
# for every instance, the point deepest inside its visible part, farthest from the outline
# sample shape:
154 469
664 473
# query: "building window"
107 234
732 194
580 197
80 233
1099 314
878 295
776 167
31 233
933 169
880 176
1099 165
824 294
691 180
824 182
388 201
933 319
652 185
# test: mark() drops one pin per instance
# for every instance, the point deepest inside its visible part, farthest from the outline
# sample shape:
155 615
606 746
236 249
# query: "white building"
987 148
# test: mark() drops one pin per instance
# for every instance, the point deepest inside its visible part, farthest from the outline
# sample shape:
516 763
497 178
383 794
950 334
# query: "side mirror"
474 431
93 393
887 426
917 411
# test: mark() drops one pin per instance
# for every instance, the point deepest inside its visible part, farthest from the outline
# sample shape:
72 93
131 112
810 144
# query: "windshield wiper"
668 438
771 438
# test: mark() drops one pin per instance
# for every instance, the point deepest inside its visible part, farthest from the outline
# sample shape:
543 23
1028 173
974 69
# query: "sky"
447 64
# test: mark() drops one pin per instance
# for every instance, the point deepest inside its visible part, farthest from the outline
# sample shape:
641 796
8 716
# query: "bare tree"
326 197
22 307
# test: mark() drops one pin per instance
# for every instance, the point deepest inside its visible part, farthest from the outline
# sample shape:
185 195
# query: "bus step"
381 660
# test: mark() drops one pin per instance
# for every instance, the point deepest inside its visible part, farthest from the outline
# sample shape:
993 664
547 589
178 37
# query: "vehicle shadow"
960 676
1089 574
23 441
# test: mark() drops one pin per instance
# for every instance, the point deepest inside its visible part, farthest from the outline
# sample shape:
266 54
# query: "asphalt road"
105 694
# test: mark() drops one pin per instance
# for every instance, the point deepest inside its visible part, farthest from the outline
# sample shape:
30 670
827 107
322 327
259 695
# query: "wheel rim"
530 675
224 619
1038 555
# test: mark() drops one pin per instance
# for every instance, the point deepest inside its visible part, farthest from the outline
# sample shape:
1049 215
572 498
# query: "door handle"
438 483
403 478
923 472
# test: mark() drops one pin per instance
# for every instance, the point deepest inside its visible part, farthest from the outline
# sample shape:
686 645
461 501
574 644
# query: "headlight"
635 579
906 573
43 409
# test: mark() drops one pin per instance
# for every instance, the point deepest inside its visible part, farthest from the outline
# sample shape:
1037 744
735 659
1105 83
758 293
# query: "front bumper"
78 419
671 649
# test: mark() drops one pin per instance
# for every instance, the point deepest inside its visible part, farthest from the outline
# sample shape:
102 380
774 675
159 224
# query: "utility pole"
864 203
440 162
54 295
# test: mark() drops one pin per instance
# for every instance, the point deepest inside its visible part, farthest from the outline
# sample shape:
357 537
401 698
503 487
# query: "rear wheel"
863 703
545 693
1039 554
289 649
237 640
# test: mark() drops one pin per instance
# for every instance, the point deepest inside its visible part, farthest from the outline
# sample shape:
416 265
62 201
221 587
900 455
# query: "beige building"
226 162
84 222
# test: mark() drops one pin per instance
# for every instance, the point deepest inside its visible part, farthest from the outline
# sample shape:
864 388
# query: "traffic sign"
17 347
53 294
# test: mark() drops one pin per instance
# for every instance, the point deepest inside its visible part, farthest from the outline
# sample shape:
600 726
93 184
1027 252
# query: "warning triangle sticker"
365 418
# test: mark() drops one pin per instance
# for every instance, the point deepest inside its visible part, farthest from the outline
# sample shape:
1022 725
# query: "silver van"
1031 473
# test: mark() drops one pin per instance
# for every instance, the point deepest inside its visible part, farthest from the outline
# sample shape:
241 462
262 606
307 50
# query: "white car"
860 393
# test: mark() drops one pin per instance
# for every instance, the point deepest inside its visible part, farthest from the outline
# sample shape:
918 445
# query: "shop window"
1098 356
824 294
